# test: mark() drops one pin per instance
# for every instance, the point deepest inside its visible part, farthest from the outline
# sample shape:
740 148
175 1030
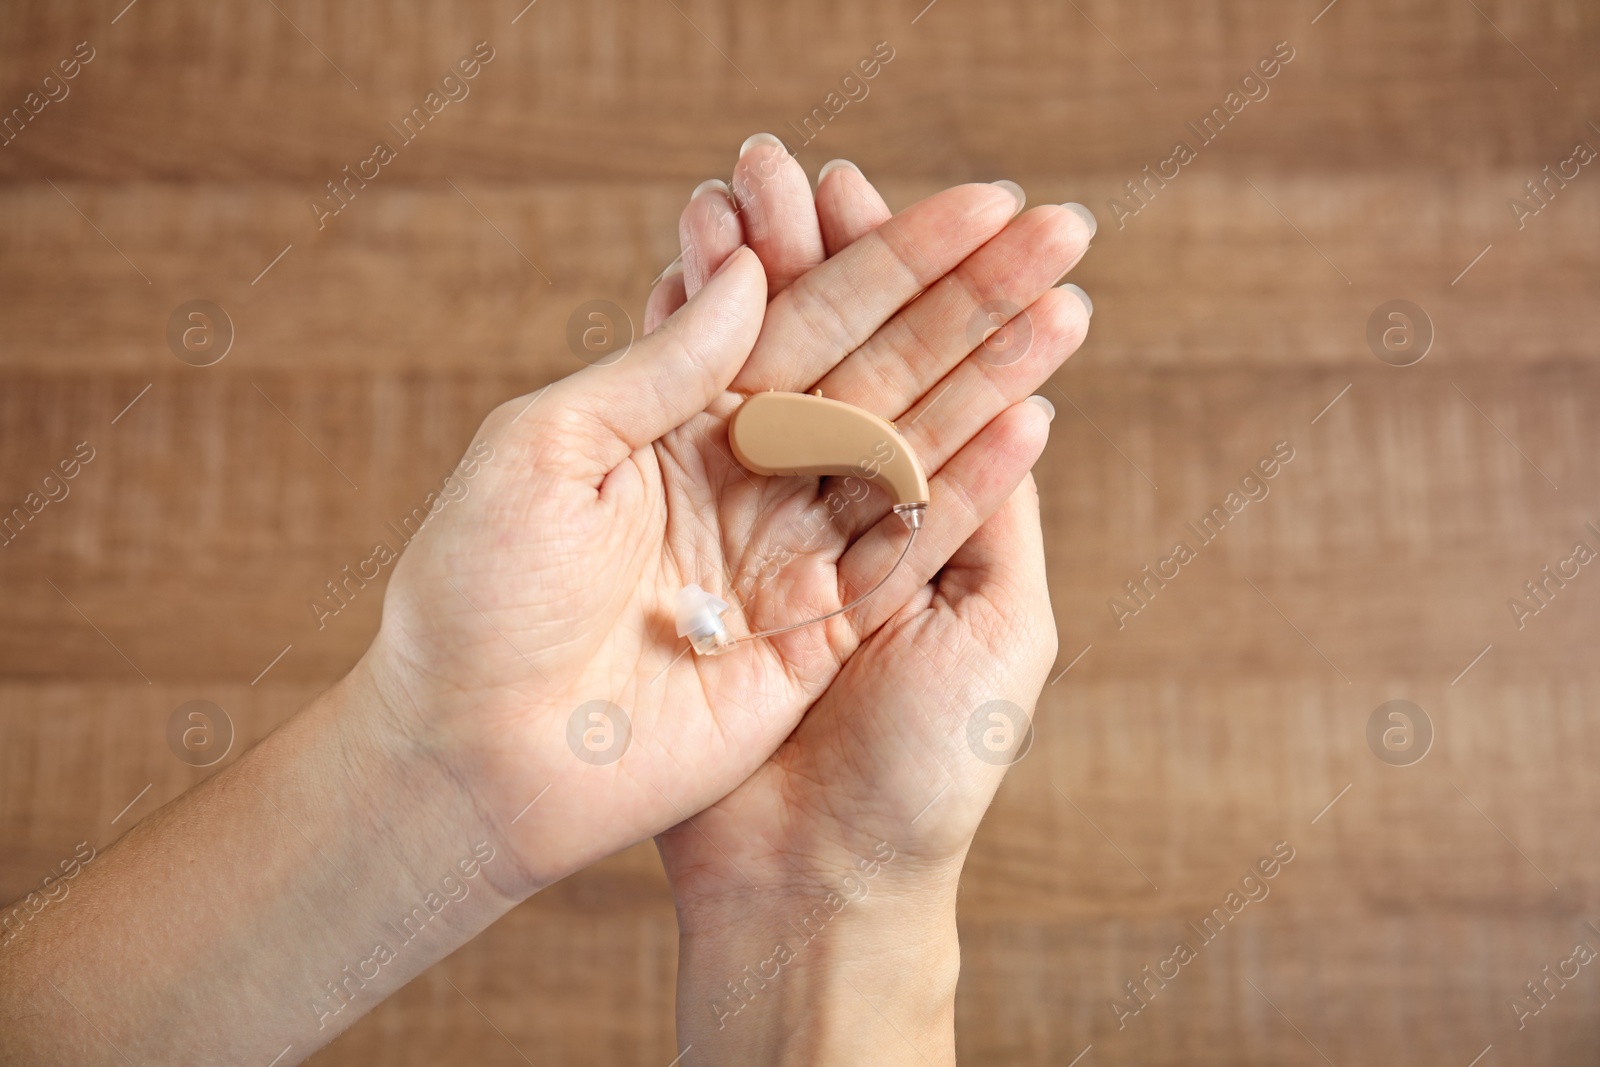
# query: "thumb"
671 375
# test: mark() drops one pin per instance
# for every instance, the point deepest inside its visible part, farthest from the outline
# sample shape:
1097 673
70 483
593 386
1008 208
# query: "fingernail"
1045 406
675 268
757 140
712 183
1015 190
835 164
1077 291
731 257
1085 214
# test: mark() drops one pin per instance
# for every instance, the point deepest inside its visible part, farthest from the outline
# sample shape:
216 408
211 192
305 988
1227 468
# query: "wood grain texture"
1231 310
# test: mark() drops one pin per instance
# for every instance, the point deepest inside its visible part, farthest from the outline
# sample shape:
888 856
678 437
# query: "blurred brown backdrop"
1231 311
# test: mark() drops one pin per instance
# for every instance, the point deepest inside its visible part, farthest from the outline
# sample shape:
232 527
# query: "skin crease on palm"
613 488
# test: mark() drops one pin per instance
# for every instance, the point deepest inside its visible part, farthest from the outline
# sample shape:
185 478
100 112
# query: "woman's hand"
816 903
829 876
526 616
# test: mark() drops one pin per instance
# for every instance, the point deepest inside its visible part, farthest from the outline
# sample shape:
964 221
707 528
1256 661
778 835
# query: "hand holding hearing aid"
878 791
529 636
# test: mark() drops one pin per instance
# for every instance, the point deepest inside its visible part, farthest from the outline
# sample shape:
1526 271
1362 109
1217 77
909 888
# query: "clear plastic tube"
699 613
857 602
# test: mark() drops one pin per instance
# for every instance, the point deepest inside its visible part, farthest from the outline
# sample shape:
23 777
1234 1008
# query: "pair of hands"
610 490
770 771
814 793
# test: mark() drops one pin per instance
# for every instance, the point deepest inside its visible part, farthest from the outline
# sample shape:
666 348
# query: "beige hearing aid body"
782 434
810 435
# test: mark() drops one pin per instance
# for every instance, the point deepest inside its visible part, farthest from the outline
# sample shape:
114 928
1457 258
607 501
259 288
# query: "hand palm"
892 736
491 639
880 746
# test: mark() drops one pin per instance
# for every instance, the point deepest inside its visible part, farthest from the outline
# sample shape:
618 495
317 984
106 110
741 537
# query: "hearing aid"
808 435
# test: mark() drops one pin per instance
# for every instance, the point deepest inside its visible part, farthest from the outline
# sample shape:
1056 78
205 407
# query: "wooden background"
1230 312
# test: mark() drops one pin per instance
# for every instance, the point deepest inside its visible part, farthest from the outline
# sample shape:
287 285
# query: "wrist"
407 801
476 747
381 842
352 865
858 968
413 783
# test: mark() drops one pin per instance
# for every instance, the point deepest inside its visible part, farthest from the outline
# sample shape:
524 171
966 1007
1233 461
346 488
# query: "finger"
668 296
981 387
668 377
891 371
1007 368
969 489
780 218
848 207
709 231
811 325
